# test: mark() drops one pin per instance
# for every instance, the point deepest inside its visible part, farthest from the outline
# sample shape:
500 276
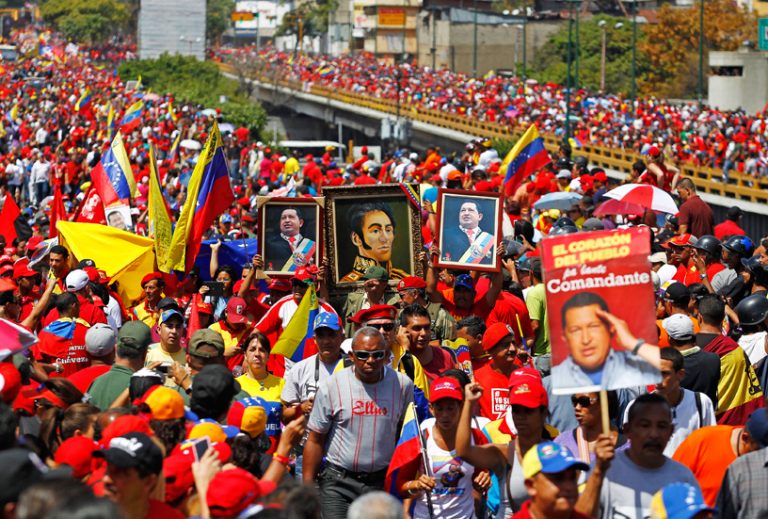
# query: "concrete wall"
162 24
498 46
749 90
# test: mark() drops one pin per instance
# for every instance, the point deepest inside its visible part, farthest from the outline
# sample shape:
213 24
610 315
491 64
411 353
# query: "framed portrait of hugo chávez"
290 233
468 229
368 226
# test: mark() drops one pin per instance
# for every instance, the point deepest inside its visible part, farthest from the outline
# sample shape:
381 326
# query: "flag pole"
425 463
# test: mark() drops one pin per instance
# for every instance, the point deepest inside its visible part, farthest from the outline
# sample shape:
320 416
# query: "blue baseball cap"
550 458
757 426
327 320
167 314
464 280
678 501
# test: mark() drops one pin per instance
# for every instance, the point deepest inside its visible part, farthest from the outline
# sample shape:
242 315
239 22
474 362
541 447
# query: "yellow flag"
172 112
124 256
118 148
178 249
159 221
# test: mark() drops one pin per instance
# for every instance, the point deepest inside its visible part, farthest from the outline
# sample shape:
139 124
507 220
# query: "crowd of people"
175 405
686 132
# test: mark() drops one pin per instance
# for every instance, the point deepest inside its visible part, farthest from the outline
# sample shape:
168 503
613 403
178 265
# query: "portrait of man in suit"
289 248
467 242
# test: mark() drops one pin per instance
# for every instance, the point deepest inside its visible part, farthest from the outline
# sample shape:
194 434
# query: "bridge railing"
740 187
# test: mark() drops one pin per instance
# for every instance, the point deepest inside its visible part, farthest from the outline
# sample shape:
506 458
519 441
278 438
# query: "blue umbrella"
560 200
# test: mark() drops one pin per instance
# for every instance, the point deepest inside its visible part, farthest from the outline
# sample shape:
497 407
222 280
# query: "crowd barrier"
708 180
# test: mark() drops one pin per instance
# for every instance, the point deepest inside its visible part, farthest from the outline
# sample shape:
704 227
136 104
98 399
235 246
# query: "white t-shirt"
628 488
754 345
452 495
685 418
300 381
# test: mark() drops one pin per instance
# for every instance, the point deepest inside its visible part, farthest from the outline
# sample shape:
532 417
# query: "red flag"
91 209
57 211
8 217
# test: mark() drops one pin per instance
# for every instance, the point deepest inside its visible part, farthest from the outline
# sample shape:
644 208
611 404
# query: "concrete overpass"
368 121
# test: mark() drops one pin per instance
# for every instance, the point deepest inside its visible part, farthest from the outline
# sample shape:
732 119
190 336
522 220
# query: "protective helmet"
564 221
565 229
752 309
740 245
709 244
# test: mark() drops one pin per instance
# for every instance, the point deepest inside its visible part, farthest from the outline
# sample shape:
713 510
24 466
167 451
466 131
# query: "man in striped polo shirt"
354 422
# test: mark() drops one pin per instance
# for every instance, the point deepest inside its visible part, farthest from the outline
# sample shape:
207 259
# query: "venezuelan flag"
12 114
173 154
460 349
111 118
326 71
172 112
84 101
411 192
300 328
574 142
132 117
209 194
112 177
527 156
407 456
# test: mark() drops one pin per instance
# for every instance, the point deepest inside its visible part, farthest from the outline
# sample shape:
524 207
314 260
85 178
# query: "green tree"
199 82
672 45
552 59
86 21
219 15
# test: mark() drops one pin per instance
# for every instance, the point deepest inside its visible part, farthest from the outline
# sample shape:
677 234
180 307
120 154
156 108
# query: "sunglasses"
387 327
583 401
365 355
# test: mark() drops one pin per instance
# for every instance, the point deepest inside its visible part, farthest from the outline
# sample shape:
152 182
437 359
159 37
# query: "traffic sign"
762 30
242 16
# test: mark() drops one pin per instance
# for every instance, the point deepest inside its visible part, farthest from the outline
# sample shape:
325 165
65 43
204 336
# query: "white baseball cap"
100 340
76 280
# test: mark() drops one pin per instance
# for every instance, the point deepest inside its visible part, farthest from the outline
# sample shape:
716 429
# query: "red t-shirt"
479 308
495 399
507 310
441 360
63 342
728 228
159 510
83 378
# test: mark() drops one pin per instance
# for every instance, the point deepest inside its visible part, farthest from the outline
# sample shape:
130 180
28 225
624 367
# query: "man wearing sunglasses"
354 423
383 318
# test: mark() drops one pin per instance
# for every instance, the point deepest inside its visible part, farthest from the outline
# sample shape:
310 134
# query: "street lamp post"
603 50
474 39
569 78
523 24
701 52
634 56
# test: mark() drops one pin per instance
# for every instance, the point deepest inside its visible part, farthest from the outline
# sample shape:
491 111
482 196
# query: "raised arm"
497 281
488 457
431 277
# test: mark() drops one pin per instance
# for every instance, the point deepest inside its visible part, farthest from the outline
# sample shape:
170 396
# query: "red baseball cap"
10 381
683 240
232 491
177 469
526 388
123 425
76 452
494 335
653 151
445 387
239 284
236 310
280 285
411 282
21 269
34 242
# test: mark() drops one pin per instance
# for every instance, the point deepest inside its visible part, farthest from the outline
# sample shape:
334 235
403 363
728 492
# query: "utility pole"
701 52
474 40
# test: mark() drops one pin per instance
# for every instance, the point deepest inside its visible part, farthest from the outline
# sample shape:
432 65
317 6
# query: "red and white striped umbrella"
644 195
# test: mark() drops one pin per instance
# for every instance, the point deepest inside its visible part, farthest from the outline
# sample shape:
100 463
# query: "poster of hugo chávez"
595 282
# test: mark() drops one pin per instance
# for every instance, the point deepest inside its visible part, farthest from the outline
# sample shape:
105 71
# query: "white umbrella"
644 195
190 144
558 200
209 112
226 127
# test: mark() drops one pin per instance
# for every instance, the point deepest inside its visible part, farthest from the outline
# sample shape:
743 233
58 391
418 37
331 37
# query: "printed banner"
587 276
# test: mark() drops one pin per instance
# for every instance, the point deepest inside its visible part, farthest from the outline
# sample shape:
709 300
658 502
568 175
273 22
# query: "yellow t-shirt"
157 354
268 389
